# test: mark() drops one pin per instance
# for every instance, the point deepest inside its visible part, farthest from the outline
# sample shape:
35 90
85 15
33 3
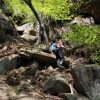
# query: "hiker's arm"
63 48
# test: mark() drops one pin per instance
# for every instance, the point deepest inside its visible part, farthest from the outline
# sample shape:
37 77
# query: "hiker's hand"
63 48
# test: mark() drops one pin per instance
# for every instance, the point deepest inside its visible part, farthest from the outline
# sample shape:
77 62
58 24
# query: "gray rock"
31 70
5 27
87 80
5 23
57 83
26 27
83 21
41 57
29 38
8 63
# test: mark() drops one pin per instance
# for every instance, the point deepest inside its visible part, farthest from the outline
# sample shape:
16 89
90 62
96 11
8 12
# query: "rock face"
87 80
29 38
5 23
14 77
91 8
83 21
94 10
4 26
41 57
8 63
28 32
27 28
57 83
31 70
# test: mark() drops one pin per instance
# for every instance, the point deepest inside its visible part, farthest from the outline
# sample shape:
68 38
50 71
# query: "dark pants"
59 57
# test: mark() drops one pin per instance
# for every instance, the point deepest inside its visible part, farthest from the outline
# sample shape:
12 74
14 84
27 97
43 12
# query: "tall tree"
19 7
42 27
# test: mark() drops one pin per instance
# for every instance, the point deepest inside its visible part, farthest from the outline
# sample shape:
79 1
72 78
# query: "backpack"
54 47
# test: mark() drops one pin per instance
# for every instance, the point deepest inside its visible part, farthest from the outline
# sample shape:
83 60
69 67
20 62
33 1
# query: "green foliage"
96 56
57 9
0 11
88 35
20 11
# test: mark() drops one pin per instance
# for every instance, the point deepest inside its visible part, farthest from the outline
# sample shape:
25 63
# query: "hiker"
58 53
61 48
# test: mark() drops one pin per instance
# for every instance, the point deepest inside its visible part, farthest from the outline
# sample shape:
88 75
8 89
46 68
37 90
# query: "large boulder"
41 57
87 80
5 27
27 32
57 83
28 38
90 8
4 20
15 76
27 28
32 68
93 8
83 21
8 63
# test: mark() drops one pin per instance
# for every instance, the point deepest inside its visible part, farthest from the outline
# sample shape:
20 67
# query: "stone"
87 80
31 70
29 38
8 63
57 83
41 57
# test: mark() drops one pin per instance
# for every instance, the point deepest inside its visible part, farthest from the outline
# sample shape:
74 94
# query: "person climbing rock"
56 49
61 48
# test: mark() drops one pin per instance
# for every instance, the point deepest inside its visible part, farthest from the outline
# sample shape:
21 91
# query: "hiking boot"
59 64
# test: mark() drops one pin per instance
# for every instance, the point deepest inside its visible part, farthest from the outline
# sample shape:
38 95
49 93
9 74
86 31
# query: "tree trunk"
42 28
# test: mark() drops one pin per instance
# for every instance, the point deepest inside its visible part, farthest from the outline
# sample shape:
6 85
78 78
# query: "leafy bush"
88 35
